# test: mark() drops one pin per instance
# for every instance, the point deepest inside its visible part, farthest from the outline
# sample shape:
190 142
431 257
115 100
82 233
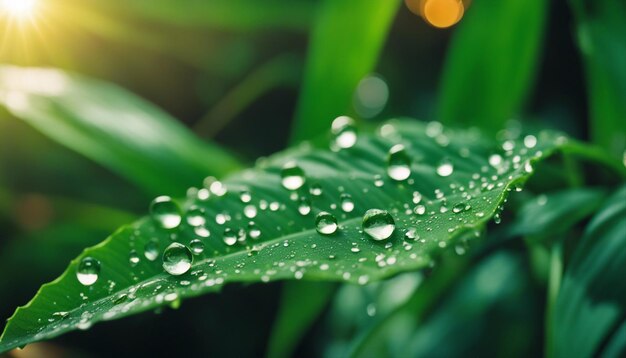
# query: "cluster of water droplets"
404 227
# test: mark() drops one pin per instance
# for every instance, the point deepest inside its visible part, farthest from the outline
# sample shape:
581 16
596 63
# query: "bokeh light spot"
443 13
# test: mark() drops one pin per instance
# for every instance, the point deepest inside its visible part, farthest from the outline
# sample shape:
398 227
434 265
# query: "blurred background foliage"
248 79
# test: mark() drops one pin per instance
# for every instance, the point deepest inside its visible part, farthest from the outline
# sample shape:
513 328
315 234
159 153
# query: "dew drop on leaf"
378 224
398 163
133 258
254 230
316 190
411 234
195 216
88 271
165 212
325 223
458 208
197 247
445 169
230 237
344 133
177 259
292 176
151 251
245 196
347 205
305 206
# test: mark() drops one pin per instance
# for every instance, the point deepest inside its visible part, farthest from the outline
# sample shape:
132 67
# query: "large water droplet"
292 176
378 224
325 223
177 259
445 169
165 212
398 163
347 205
88 271
344 132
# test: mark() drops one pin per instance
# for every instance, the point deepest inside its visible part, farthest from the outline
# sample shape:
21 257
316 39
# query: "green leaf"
112 127
343 50
600 33
490 64
289 246
241 15
301 304
590 303
553 214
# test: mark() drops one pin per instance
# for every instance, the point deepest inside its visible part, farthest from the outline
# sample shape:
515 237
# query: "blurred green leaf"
240 15
112 127
287 245
283 70
491 62
301 304
600 33
553 214
344 47
590 304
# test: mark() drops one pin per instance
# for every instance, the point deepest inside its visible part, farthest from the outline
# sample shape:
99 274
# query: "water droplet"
292 176
420 210
316 189
195 216
378 224
245 196
445 169
230 237
177 259
133 258
250 211
495 160
202 231
411 234
378 181
305 206
398 163
528 167
459 207
254 230
197 247
88 271
325 223
530 141
151 251
347 205
344 133
165 212
417 197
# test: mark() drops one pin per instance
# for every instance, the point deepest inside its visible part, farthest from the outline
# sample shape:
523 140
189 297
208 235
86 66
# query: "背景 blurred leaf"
554 213
266 235
491 62
241 15
600 31
590 305
112 127
344 47
300 305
